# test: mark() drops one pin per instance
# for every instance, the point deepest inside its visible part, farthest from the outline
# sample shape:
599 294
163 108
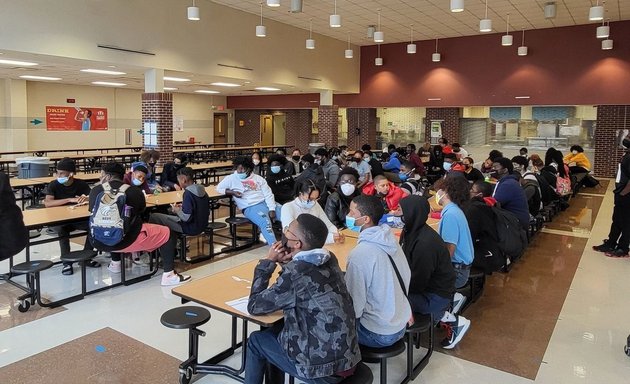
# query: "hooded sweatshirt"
379 301
13 234
195 210
393 164
428 257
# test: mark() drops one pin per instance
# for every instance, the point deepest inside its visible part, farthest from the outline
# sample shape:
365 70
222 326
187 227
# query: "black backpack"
547 193
512 236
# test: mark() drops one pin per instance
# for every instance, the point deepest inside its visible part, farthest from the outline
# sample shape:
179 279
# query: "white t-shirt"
254 189
290 211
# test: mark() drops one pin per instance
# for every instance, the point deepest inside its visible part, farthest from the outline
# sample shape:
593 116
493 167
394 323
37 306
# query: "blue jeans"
262 348
429 303
259 215
375 340
461 276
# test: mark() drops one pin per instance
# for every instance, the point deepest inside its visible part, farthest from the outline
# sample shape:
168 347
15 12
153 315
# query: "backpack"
109 222
512 237
563 184
546 191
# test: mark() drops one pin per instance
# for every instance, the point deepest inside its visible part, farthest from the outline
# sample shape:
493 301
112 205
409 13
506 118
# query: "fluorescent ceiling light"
103 72
221 84
170 89
273 3
521 97
107 83
206 91
17 62
33 77
457 5
267 89
179 79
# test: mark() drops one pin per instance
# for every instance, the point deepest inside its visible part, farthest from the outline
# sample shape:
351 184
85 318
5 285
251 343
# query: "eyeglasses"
292 234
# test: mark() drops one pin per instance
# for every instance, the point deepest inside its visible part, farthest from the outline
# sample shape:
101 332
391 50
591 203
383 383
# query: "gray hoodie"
379 301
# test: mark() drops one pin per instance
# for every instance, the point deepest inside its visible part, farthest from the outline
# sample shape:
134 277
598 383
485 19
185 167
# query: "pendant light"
506 40
296 6
603 31
193 12
411 47
370 31
550 10
310 43
522 50
457 6
485 24
596 13
379 36
436 57
348 53
335 19
379 60
273 3
607 44
261 30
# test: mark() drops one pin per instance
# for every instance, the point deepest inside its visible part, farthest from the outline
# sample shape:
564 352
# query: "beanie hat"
66 164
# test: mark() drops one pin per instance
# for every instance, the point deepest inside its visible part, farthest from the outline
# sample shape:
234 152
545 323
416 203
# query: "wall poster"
76 118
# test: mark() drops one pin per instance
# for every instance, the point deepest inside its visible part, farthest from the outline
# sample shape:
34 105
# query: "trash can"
312 147
30 167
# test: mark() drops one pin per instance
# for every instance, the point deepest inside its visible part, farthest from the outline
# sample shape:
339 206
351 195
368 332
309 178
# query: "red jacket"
417 162
393 196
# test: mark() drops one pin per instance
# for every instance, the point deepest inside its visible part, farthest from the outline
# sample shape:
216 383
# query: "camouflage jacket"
319 333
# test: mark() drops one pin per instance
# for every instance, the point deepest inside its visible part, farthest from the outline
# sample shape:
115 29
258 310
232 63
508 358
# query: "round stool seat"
421 323
238 220
374 355
77 256
185 317
215 226
362 375
32 266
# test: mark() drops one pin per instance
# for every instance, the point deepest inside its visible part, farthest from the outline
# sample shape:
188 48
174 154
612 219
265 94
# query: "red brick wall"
450 125
158 107
365 120
328 125
298 128
610 118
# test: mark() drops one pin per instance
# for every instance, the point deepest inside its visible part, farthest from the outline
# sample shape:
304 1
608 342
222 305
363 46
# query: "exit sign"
70 101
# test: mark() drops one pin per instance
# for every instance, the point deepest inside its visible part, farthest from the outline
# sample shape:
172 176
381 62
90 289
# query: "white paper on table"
240 304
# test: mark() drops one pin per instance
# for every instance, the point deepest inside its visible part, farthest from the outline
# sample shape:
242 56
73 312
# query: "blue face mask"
136 182
275 169
402 176
351 224
446 166
63 180
305 204
242 176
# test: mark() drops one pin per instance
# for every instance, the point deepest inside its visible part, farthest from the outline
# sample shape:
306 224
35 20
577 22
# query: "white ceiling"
430 18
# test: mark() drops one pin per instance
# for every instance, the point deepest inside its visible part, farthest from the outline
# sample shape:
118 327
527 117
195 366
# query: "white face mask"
256 161
574 152
347 189
305 204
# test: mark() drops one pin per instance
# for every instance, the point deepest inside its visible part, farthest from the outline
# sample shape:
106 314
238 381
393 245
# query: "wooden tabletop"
166 198
21 183
79 176
34 218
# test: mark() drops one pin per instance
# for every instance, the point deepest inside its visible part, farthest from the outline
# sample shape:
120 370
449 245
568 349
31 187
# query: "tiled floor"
559 317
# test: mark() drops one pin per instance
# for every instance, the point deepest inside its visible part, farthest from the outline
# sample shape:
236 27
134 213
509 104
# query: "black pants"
620 228
64 242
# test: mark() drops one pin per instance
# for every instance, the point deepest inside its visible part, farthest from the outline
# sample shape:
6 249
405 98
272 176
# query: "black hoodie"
13 233
429 259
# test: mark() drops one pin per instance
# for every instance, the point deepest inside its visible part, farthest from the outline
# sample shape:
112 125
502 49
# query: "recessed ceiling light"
103 72
206 91
17 62
33 77
220 84
109 84
170 89
267 89
180 79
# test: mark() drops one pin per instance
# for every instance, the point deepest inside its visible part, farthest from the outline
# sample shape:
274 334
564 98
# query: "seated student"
150 159
288 166
376 168
508 191
443 142
483 228
472 174
577 160
138 177
486 167
379 297
415 159
306 202
13 233
252 195
139 236
338 203
436 162
169 173
282 184
67 190
432 284
451 164
317 341
529 183
363 168
313 171
386 191
411 181
459 151
257 161
329 167
191 216
295 158
393 163
523 153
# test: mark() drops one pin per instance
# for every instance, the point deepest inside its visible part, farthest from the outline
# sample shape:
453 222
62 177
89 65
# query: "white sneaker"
458 302
172 278
114 266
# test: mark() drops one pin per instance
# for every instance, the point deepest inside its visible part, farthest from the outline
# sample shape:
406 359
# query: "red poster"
76 119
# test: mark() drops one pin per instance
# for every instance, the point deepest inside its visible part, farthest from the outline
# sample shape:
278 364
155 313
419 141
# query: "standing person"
338 203
67 190
330 168
13 233
373 271
413 157
317 341
169 173
452 193
619 237
295 158
362 167
252 195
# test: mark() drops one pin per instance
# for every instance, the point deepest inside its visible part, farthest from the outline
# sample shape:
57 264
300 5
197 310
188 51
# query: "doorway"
266 130
279 129
220 128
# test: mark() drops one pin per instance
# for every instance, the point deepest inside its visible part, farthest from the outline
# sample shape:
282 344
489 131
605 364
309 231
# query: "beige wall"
13 135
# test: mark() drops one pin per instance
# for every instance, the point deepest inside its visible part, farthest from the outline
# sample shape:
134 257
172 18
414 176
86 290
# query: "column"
610 120
328 120
361 127
13 115
157 107
450 123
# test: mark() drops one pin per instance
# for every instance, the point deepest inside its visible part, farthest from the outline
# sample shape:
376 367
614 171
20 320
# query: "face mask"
275 169
446 166
305 204
494 174
356 159
295 158
152 164
366 159
177 166
334 157
518 168
467 166
63 180
402 176
318 161
574 152
256 161
136 182
241 175
351 224
347 189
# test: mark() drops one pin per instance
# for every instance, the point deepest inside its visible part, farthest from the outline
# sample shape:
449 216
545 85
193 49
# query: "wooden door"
266 130
220 128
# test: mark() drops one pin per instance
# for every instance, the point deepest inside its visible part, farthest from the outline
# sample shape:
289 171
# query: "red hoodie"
490 201
393 196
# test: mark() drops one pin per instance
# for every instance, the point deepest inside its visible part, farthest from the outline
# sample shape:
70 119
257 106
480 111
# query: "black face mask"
295 158
152 164
358 160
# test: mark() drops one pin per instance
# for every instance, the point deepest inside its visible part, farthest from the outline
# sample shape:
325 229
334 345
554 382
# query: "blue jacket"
511 195
195 210
393 164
